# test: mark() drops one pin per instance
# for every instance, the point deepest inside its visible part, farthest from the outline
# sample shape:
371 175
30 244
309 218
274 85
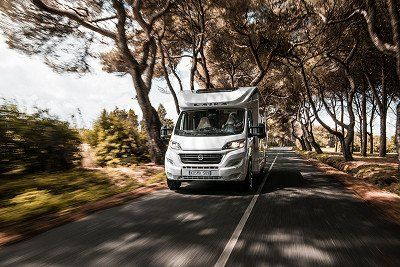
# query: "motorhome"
217 137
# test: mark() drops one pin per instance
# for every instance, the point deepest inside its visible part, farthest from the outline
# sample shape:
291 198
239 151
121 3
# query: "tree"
162 113
250 35
390 46
117 140
125 32
188 34
383 90
297 136
306 120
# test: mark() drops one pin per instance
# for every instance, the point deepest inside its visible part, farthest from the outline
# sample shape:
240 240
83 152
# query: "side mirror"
165 132
258 131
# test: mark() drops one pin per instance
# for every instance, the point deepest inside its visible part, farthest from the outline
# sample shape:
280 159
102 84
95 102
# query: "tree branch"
369 16
122 42
73 16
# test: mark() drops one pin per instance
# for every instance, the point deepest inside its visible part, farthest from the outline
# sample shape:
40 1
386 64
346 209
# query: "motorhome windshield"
210 122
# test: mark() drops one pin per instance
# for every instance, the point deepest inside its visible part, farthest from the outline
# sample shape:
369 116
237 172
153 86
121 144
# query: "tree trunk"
371 134
342 113
346 146
364 123
384 101
316 146
205 69
166 77
301 138
349 140
314 143
336 139
302 143
314 108
371 143
398 130
341 120
193 68
382 137
306 136
151 119
381 102
308 145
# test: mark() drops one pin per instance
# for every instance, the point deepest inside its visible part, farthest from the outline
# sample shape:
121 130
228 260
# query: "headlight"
175 145
234 144
170 161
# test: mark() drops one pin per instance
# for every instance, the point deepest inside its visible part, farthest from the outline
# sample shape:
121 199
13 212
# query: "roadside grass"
382 172
26 196
158 178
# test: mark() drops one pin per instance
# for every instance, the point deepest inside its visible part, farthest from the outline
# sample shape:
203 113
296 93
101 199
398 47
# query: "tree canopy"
327 62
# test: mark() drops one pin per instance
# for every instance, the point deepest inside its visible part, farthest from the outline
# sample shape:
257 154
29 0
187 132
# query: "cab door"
251 141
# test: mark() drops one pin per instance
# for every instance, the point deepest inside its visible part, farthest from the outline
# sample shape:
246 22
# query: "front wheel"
173 185
249 182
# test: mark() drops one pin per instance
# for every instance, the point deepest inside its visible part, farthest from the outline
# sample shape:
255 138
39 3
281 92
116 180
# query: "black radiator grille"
201 158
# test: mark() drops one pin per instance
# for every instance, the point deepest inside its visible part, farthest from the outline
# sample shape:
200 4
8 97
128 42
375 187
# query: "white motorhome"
218 137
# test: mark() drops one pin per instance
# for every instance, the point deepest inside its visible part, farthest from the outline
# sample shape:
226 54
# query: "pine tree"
117 140
162 113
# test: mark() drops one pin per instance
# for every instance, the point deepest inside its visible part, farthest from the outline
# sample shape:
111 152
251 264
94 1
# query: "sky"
30 82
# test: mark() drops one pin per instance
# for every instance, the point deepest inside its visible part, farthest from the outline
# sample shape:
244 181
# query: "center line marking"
238 230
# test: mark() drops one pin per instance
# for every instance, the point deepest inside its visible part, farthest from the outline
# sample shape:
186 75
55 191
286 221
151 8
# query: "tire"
173 185
249 183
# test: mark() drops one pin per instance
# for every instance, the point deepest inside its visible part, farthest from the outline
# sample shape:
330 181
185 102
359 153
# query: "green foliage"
26 196
35 142
117 140
279 132
323 137
30 203
162 113
391 144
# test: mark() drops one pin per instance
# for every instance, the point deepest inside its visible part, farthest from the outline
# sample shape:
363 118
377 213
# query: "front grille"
201 158
201 177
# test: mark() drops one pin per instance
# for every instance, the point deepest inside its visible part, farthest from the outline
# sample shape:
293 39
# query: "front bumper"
233 166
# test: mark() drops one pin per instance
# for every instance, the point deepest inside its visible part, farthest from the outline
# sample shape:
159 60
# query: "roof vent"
215 90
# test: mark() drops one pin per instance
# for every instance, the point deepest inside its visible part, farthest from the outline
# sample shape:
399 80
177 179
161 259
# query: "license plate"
199 173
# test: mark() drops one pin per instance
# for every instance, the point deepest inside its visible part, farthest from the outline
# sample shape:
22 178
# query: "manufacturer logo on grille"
200 157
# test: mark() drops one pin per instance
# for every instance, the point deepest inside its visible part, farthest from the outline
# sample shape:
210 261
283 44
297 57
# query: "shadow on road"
306 218
279 179
215 189
302 218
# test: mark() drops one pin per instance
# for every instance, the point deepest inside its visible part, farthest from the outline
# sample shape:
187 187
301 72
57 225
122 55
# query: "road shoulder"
386 203
44 223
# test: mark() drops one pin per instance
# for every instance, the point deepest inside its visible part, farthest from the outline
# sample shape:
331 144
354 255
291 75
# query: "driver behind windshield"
210 122
231 124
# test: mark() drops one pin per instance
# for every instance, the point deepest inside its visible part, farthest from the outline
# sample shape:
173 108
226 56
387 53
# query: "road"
300 217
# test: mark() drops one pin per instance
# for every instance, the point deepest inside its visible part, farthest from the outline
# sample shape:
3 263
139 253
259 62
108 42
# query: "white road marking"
222 260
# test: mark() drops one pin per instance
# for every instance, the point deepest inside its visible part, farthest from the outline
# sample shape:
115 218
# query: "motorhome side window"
210 122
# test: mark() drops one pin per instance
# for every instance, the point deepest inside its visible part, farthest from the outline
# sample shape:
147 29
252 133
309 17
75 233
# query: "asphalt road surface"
300 217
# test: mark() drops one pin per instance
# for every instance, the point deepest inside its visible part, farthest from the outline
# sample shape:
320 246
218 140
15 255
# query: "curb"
386 203
44 223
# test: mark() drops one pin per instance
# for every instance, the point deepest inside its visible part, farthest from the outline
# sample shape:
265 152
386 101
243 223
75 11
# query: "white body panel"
233 163
219 98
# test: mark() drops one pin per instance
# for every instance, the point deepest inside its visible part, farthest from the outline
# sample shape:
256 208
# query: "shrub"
117 140
35 142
